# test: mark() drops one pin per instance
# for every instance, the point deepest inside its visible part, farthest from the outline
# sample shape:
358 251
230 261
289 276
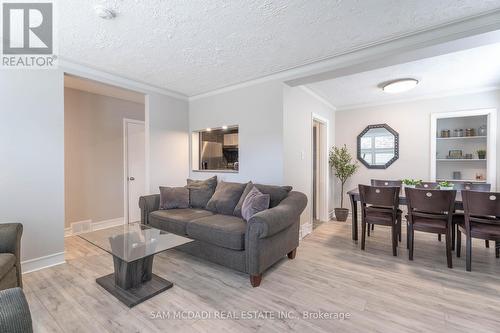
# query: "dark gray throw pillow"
226 197
174 197
277 193
254 202
200 191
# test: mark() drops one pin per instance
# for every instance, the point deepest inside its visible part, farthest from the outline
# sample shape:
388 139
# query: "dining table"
354 197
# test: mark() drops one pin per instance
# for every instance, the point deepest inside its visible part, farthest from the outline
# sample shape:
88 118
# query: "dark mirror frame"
396 146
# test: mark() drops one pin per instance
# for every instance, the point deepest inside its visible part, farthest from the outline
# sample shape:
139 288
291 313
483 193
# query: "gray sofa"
250 247
10 255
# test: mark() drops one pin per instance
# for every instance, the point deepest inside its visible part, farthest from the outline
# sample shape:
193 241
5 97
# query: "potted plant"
341 162
481 154
444 185
411 183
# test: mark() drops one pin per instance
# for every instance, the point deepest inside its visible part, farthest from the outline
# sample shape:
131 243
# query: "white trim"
419 98
127 121
36 264
317 96
324 158
108 223
491 144
147 148
104 224
385 51
305 229
115 80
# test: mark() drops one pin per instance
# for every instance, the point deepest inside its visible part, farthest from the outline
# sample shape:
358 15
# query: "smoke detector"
104 12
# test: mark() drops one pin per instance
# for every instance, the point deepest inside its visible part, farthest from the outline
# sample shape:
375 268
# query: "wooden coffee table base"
133 283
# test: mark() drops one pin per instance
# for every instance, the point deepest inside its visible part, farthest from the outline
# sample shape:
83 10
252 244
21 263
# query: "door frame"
324 175
127 121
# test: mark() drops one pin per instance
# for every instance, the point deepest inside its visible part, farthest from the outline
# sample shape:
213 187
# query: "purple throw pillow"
254 202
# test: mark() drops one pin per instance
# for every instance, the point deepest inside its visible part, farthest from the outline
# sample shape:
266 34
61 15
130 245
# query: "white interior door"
135 168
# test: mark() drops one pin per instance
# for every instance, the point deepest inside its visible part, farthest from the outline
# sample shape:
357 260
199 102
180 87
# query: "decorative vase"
341 214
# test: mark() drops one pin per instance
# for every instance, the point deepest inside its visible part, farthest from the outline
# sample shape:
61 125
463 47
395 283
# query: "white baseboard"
108 223
97 225
36 264
305 229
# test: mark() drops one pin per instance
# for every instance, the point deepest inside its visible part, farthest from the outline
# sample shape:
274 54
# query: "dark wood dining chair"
379 205
458 217
384 182
430 211
428 185
481 220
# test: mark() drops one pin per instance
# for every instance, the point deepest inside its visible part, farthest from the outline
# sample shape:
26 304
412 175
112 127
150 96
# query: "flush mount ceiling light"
104 13
398 86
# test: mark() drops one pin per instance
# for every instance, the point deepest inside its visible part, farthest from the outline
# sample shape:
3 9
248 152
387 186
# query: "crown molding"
318 97
418 98
383 52
115 80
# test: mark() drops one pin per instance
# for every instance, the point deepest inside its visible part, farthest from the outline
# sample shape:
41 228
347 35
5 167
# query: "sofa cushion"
174 197
200 191
7 261
277 193
221 230
226 197
254 202
175 220
237 209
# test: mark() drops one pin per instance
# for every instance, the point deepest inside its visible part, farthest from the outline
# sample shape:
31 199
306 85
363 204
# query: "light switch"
302 155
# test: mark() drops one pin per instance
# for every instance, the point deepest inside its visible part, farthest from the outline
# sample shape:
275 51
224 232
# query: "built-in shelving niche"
465 168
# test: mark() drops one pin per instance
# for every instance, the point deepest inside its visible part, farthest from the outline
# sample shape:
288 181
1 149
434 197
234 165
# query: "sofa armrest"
148 204
10 238
271 221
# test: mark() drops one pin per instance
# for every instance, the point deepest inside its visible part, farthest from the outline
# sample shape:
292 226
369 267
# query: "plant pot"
411 186
341 214
446 188
481 156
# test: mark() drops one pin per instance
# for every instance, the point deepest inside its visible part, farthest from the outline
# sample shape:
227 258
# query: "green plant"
481 153
341 161
445 184
411 182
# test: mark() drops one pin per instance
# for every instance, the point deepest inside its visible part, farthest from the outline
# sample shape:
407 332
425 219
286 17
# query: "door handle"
131 178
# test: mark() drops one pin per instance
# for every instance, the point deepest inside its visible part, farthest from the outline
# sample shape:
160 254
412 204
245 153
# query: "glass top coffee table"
133 247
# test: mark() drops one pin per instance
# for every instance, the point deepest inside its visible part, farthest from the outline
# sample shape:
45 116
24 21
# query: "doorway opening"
104 135
320 177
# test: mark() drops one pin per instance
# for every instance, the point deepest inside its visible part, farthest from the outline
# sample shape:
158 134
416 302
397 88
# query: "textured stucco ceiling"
460 72
198 46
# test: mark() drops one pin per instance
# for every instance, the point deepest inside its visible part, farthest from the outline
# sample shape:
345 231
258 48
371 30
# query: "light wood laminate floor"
381 293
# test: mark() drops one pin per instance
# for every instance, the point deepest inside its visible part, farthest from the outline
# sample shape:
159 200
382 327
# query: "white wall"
93 127
258 111
412 121
32 158
167 156
299 106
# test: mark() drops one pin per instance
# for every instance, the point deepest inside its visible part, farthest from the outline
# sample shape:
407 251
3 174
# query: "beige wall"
93 129
412 121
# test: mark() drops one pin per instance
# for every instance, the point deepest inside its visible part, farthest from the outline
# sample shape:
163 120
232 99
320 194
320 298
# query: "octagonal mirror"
378 146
